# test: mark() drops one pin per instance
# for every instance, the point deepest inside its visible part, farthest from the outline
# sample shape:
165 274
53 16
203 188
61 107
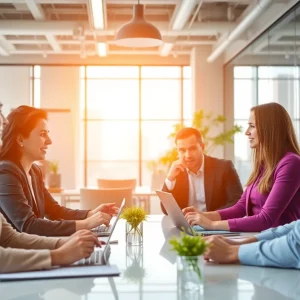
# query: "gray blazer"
222 185
26 215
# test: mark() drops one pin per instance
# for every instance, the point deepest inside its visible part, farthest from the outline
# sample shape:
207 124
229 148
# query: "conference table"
149 272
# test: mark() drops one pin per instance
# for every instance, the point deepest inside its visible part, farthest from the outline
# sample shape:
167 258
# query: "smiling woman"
24 200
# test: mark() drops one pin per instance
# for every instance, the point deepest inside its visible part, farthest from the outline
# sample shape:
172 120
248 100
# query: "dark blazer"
26 215
222 185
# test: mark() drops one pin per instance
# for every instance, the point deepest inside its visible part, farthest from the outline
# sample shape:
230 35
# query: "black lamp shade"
138 32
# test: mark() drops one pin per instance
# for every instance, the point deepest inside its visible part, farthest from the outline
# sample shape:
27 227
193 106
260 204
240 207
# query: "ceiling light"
102 49
98 13
138 32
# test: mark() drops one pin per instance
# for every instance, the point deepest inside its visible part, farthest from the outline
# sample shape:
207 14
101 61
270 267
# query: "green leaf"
188 245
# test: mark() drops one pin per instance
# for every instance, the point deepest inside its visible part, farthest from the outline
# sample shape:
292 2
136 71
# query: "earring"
21 145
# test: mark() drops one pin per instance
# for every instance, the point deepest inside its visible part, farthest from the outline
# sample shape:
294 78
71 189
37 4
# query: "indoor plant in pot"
134 217
54 178
189 251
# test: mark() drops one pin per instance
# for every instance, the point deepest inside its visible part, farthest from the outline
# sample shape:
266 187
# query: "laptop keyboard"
101 228
94 259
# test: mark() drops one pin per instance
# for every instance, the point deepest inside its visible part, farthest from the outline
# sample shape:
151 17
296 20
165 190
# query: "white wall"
60 95
14 87
207 86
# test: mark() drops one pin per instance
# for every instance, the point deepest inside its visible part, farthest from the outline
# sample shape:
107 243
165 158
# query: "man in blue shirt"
275 247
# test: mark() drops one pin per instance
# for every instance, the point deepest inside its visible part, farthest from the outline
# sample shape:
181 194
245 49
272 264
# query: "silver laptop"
103 230
175 212
179 220
100 256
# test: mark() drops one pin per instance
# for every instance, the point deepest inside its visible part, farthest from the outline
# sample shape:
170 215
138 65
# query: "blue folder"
203 231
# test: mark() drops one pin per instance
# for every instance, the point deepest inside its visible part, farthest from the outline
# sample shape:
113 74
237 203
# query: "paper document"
64 272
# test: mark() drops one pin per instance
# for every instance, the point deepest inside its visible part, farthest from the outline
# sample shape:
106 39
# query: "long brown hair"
21 121
276 136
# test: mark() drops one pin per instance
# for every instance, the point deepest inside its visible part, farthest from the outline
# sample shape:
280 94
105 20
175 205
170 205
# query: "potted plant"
189 249
54 178
134 217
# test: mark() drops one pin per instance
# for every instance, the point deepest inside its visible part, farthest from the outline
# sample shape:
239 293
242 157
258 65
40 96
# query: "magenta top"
278 207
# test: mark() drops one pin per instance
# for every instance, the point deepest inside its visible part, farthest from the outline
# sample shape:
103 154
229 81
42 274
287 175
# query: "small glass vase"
189 275
134 235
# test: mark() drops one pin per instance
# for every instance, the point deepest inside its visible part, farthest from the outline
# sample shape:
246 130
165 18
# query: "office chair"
116 183
91 198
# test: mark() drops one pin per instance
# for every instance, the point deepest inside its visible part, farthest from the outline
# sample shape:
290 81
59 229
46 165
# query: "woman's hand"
95 220
194 218
79 245
108 208
190 209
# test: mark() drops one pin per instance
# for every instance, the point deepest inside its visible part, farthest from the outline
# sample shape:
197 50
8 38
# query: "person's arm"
18 212
16 260
233 186
275 232
53 210
282 252
60 252
238 210
217 220
13 239
286 184
12 260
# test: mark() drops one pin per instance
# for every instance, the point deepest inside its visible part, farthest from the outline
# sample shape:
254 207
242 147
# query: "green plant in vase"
189 248
134 217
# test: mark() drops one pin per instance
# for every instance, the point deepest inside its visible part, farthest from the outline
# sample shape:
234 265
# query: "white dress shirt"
196 188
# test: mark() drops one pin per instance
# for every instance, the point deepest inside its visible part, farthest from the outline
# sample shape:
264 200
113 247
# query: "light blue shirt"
276 247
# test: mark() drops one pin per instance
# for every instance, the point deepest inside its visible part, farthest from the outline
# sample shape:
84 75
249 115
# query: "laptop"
100 256
104 230
180 221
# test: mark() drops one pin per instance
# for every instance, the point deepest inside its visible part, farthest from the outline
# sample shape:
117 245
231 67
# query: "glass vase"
134 235
189 274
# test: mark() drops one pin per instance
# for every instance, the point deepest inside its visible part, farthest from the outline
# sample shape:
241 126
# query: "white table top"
159 276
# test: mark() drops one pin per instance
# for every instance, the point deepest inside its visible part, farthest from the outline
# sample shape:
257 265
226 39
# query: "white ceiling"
65 27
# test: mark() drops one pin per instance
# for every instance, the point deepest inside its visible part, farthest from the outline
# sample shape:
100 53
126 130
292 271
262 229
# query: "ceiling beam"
275 11
6 46
247 18
38 14
24 27
91 53
36 10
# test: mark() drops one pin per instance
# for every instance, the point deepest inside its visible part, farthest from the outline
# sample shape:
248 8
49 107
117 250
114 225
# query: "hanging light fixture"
138 32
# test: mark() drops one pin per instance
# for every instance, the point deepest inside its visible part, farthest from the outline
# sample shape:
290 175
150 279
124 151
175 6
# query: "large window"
127 113
258 85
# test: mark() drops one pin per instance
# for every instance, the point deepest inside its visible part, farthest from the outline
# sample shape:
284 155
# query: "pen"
110 242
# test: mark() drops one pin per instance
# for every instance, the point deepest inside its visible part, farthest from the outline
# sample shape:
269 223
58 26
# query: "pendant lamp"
138 33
